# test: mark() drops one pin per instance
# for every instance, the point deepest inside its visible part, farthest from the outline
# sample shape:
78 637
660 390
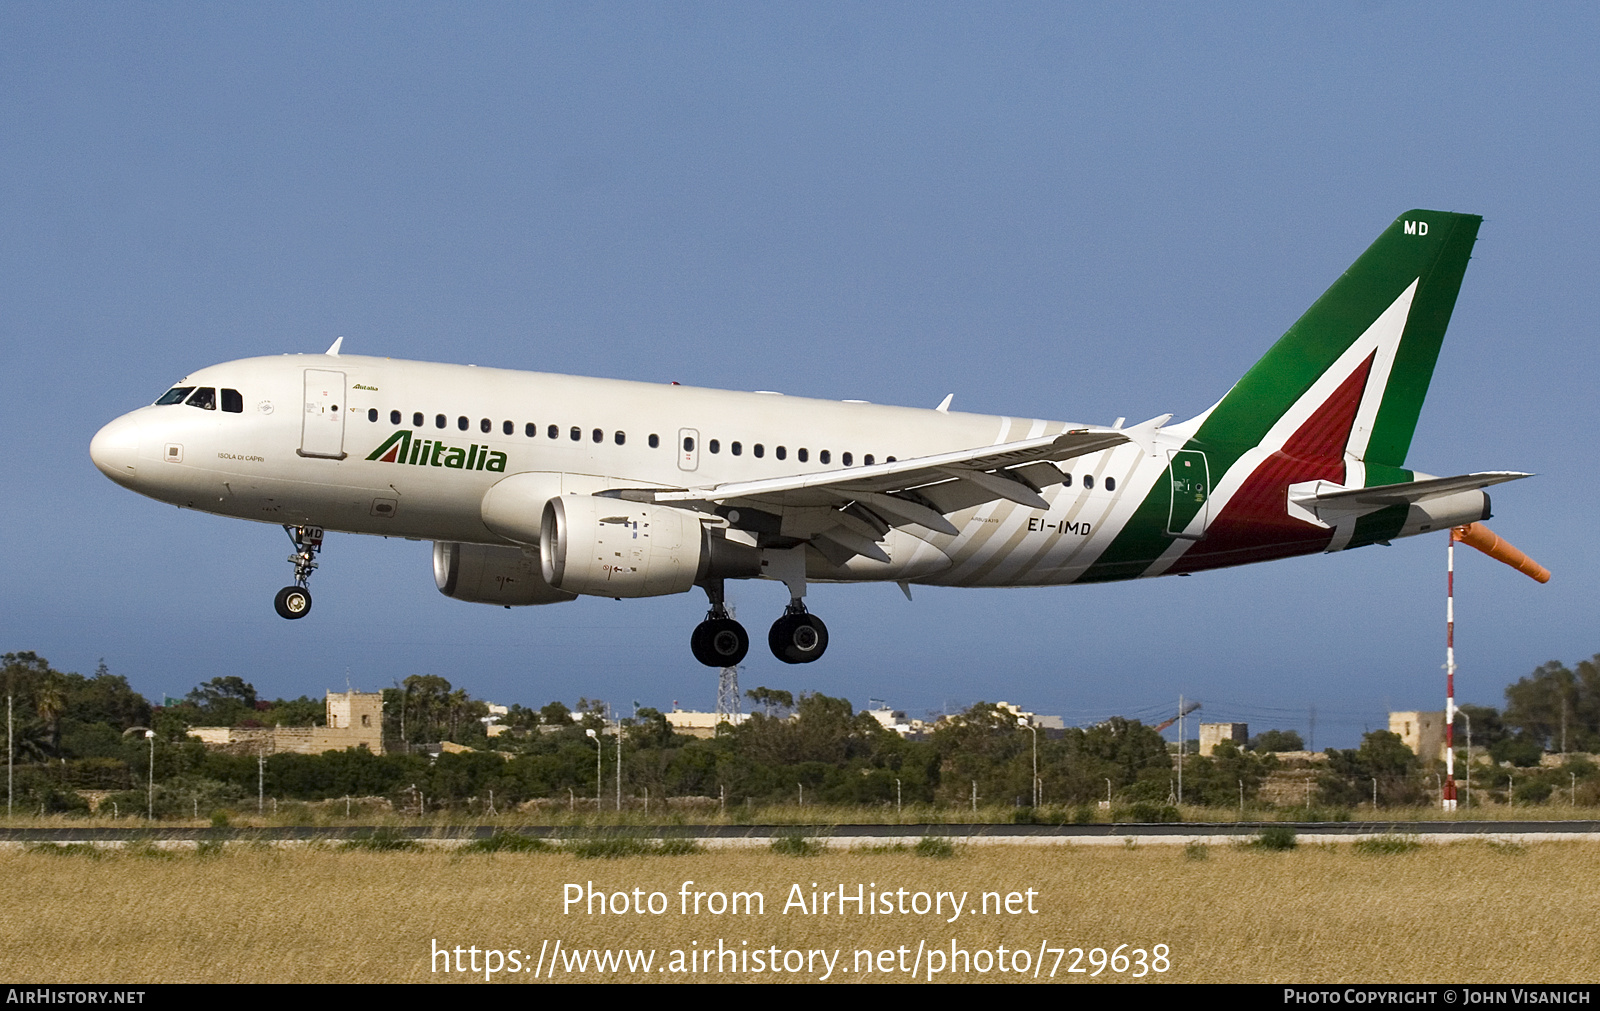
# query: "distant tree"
223 689
1277 740
1557 706
1217 780
1383 757
555 714
426 706
1487 727
774 702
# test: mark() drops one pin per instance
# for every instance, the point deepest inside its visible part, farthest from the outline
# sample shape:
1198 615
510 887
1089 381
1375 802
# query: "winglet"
944 405
333 349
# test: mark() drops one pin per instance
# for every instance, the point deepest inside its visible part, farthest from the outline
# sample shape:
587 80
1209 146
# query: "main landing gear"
799 636
720 641
295 601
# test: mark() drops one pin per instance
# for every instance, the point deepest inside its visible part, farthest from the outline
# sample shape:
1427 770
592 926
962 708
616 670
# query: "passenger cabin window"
597 435
372 414
1088 480
577 434
654 441
461 422
1111 484
174 395
531 431
845 459
204 398
759 450
416 420
688 444
394 418
735 449
508 428
232 402
1066 481
801 454
553 432
865 460
824 456
780 452
485 425
438 421
714 446
620 438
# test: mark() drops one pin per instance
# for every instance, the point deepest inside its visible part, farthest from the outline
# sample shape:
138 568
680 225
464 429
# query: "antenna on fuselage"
333 349
944 405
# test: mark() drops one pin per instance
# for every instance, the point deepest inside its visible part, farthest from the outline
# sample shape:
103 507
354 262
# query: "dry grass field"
1466 912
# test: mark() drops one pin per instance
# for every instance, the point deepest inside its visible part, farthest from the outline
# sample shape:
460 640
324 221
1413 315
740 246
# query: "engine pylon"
1476 535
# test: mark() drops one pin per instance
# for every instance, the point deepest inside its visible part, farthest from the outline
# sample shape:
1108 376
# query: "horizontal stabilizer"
1323 502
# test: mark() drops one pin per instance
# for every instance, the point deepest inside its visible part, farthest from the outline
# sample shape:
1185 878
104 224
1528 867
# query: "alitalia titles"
402 448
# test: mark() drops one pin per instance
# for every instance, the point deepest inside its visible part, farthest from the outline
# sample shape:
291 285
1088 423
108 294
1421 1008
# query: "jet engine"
609 547
485 574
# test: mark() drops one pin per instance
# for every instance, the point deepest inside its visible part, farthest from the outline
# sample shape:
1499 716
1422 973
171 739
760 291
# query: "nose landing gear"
295 601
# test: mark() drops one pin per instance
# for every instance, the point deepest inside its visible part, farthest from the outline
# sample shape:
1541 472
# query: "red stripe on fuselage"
1255 525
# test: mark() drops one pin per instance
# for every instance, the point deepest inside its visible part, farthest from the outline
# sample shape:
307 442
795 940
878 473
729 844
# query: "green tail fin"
1429 249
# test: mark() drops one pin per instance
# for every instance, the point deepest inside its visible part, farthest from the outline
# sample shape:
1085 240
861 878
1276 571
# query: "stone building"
355 720
1213 734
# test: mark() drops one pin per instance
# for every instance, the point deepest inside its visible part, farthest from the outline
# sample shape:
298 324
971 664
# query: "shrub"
936 847
508 842
1147 812
1276 838
383 840
1384 845
796 846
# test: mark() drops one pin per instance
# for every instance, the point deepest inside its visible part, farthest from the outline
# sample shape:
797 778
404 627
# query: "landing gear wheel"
293 602
798 637
719 642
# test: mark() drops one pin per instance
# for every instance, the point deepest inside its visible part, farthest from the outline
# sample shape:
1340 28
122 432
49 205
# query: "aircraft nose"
115 449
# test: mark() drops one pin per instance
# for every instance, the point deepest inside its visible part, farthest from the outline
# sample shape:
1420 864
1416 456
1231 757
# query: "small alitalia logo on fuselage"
402 448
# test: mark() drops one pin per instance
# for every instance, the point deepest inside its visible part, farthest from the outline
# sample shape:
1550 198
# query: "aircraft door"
688 448
322 425
1191 494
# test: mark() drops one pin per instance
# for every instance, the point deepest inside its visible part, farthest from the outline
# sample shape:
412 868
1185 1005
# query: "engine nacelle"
609 547
485 574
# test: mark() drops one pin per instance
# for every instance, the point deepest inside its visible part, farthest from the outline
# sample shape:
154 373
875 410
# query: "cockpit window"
204 398
232 402
174 395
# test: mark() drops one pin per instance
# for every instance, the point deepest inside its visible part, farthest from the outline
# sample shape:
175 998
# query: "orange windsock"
1490 543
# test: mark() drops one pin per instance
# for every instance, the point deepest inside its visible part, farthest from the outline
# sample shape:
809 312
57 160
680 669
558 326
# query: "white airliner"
536 488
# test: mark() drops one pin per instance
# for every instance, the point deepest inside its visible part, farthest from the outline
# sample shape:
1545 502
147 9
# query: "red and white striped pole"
1449 788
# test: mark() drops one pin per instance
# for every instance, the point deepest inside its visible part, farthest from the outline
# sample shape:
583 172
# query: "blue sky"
1065 211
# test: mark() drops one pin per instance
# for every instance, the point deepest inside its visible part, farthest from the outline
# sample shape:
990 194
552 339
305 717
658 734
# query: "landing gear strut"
799 636
719 641
295 601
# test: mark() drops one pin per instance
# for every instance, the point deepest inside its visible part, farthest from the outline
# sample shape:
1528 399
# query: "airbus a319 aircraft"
537 488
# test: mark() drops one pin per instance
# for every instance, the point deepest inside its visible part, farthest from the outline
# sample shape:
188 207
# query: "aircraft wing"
855 507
